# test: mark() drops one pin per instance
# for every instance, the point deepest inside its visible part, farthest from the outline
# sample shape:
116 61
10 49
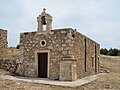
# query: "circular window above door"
43 43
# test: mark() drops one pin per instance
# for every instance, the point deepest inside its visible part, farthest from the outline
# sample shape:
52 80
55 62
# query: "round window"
42 43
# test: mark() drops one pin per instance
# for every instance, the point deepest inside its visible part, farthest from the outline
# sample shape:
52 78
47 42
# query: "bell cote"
44 22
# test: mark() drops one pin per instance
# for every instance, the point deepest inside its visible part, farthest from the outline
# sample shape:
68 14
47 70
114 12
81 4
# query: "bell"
44 21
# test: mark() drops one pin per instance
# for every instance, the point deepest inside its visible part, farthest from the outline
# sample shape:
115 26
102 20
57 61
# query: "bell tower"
44 22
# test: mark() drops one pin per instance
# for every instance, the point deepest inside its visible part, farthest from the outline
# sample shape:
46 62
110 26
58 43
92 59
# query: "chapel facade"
57 54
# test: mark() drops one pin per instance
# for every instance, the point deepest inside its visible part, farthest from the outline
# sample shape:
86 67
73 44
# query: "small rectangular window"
98 64
92 61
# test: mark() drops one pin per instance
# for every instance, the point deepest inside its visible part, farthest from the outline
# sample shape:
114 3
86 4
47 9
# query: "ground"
109 81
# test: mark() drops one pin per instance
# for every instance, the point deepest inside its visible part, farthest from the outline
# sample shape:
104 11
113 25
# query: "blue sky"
97 19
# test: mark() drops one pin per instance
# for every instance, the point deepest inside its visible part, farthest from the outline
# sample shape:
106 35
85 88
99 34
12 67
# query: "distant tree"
18 46
113 52
110 52
118 52
103 51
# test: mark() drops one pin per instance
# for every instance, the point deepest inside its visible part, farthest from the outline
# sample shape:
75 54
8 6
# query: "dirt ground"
109 81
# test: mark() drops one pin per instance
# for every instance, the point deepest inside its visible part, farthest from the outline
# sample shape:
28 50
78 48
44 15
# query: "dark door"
42 65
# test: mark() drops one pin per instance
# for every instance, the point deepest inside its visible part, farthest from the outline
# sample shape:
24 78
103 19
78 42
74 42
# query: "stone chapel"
57 54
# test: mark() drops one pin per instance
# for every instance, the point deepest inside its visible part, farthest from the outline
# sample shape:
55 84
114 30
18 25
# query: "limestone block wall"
86 51
57 42
3 42
9 64
68 69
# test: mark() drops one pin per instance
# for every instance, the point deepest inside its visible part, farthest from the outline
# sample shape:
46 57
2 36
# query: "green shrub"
18 47
110 52
103 51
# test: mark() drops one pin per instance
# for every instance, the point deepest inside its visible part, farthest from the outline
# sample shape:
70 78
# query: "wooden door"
42 65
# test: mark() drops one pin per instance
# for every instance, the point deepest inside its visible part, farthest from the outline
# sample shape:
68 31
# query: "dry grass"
110 81
11 53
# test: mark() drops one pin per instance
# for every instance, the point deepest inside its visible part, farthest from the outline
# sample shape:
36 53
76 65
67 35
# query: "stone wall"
9 64
3 42
86 65
68 69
